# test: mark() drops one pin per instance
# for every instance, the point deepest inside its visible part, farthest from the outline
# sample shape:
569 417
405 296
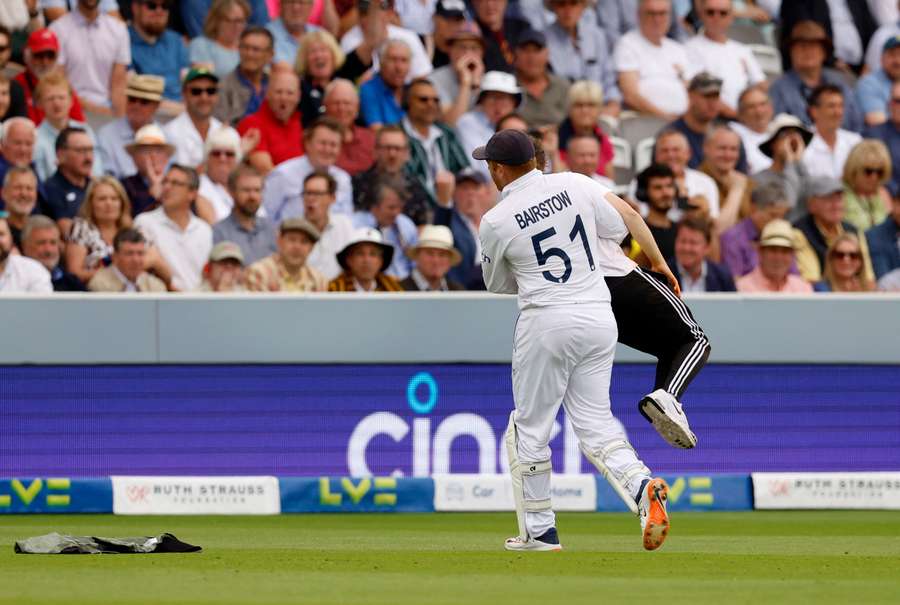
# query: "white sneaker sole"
515 544
674 434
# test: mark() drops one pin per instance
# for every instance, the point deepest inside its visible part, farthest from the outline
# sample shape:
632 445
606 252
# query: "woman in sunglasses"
844 270
867 169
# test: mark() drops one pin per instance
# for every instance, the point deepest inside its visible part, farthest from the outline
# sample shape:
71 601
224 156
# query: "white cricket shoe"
654 518
547 542
664 412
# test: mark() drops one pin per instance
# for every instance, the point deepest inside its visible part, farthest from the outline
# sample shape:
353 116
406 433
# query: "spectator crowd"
325 145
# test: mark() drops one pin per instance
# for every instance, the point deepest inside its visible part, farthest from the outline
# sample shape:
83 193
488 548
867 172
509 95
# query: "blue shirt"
889 134
255 244
193 14
60 198
790 95
204 50
165 58
113 138
401 235
378 103
285 44
283 191
590 60
873 92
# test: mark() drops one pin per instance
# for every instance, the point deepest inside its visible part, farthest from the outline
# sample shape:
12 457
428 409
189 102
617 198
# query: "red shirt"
281 141
359 154
29 83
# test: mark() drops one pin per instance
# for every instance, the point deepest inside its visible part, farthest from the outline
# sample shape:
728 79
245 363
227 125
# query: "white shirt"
540 240
283 190
820 160
847 43
218 196
474 129
188 143
420 66
756 159
23 275
688 283
185 251
696 183
416 15
662 70
732 61
336 235
611 260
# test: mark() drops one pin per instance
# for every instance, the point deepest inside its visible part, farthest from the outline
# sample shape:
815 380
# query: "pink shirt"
755 281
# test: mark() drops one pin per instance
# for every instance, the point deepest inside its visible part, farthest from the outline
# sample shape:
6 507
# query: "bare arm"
628 83
330 18
117 89
75 255
728 213
262 161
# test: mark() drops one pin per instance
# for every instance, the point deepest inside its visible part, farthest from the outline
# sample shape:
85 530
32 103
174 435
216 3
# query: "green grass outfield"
751 557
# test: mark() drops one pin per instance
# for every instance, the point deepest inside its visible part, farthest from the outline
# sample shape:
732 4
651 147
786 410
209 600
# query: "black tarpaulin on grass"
62 544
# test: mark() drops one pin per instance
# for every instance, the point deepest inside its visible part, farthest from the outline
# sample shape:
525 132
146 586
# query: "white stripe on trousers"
696 353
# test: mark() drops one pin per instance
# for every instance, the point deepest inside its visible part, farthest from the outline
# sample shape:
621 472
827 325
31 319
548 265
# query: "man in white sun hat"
364 260
498 96
433 256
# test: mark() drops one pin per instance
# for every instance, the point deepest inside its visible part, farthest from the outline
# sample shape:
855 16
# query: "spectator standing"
585 104
253 233
381 96
882 240
458 81
225 270
217 48
653 70
287 269
19 274
545 94
127 272
755 113
449 15
243 90
827 153
95 51
464 218
284 185
318 61
290 27
844 269
62 194
278 123
363 260
189 130
341 103
776 257
183 239
156 50
786 144
873 92
373 29
54 96
848 22
738 245
433 256
41 241
143 95
386 215
41 56
820 228
19 196
808 48
16 144
500 32
498 96
867 169
579 50
731 62
335 230
691 264
150 152
223 154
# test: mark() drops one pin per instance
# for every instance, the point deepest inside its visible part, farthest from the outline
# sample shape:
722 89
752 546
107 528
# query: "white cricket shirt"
540 240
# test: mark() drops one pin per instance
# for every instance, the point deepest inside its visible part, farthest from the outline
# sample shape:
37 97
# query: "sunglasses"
711 12
3 49
425 99
196 92
47 55
140 101
843 255
874 171
156 6
222 153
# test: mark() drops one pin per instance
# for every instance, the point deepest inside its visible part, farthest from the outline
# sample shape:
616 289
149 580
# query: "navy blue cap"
509 146
450 9
892 42
470 174
531 36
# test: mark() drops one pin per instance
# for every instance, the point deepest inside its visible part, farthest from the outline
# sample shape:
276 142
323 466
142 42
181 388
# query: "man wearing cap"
41 54
364 260
95 51
435 150
815 232
500 32
848 23
887 30
873 92
242 92
499 95
448 16
714 52
278 123
565 336
183 239
253 233
381 96
457 81
433 256
373 20
776 256
157 50
463 217
579 50
19 274
653 69
785 143
889 134
143 95
827 153
150 153
225 270
126 273
545 94
287 269
189 130
808 48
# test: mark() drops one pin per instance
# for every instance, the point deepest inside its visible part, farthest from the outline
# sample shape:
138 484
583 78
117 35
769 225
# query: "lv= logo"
26 494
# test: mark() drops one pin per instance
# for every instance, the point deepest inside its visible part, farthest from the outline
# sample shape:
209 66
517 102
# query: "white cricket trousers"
564 355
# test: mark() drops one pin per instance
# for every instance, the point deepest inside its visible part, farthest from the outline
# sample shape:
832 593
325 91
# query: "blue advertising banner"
349 495
55 495
690 493
415 421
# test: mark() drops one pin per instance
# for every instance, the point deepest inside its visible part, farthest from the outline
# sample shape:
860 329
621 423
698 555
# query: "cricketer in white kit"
541 242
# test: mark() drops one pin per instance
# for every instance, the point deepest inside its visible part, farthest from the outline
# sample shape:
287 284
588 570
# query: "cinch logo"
697 489
333 491
15 493
431 449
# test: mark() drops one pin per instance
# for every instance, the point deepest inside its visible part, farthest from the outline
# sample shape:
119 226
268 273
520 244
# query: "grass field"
752 557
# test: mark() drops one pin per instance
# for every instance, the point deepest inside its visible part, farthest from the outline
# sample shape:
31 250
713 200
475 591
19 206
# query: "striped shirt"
271 275
346 283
